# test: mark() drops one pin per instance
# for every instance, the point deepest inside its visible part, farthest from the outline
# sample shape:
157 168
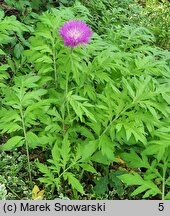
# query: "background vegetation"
92 123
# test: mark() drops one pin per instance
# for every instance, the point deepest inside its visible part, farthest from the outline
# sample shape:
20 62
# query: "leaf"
9 120
2 14
88 168
88 114
100 158
95 127
28 82
79 98
107 147
34 95
2 52
135 161
145 185
65 150
79 107
44 49
75 184
88 149
12 143
90 91
43 168
53 127
33 140
4 67
131 179
101 186
157 148
18 49
167 196
44 59
151 190
48 175
56 154
37 194
129 88
85 132
138 132
115 182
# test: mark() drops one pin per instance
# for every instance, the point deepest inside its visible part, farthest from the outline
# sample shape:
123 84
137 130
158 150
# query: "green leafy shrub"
25 6
156 18
10 27
152 14
113 13
155 180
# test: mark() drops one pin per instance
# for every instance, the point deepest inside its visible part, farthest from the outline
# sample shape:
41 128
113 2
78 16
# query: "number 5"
161 207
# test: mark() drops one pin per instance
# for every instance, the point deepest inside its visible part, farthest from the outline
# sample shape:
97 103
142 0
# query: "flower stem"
67 105
55 70
54 58
66 88
26 143
24 130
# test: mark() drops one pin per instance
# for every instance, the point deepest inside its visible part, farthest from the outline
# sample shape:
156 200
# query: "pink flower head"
75 32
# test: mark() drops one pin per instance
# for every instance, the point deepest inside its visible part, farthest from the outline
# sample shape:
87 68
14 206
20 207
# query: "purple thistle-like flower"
75 32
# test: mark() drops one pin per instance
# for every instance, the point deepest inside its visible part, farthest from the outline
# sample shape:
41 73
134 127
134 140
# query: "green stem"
67 105
55 71
24 129
67 169
54 59
66 88
26 143
116 117
63 117
13 192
